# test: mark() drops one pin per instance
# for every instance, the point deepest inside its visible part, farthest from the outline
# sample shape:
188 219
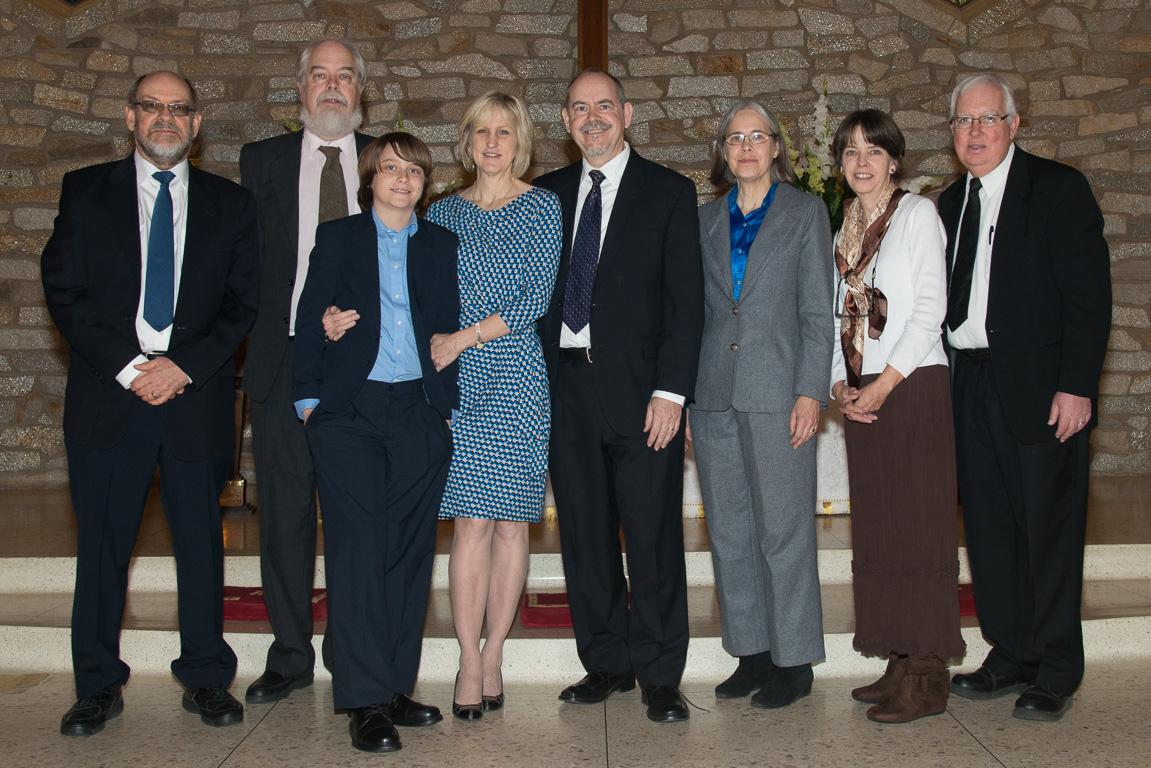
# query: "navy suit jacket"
344 271
91 274
647 301
1049 297
271 170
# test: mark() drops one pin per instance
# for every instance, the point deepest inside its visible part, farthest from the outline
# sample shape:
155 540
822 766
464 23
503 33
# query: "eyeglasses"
756 137
986 121
155 108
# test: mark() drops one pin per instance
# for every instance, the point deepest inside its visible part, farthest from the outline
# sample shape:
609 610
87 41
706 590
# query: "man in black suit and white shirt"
1028 316
151 277
621 340
300 179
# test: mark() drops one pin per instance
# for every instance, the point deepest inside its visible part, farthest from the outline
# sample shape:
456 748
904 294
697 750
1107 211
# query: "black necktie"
585 259
959 297
333 191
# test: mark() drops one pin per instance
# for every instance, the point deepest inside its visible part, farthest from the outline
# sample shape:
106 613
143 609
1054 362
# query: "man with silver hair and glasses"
300 179
1028 316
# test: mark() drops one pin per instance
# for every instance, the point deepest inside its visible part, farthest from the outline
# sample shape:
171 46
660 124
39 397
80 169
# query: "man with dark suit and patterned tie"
622 340
1028 317
300 179
151 277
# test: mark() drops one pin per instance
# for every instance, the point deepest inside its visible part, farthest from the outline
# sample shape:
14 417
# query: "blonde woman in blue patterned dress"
510 235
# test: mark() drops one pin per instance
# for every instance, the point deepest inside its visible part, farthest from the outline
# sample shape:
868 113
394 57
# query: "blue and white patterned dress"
507 265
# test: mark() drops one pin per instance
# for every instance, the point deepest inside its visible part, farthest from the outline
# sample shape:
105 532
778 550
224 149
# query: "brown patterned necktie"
333 192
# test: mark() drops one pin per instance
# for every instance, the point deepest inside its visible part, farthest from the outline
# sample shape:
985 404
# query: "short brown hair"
878 129
780 168
521 119
409 148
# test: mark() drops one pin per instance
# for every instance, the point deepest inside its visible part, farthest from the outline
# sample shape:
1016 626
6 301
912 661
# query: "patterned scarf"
854 252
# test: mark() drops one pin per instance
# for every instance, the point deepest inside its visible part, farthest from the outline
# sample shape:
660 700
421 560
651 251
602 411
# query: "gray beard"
331 124
163 154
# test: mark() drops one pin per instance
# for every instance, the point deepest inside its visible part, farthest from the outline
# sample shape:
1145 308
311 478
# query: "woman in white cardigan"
890 378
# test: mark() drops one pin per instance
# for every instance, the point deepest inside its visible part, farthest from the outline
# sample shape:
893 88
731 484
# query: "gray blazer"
774 344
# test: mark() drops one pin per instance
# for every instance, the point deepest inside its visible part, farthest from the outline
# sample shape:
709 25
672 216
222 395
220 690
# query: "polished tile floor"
1106 727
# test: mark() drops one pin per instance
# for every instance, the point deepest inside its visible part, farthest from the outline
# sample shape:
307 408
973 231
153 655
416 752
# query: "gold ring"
813 430
153 393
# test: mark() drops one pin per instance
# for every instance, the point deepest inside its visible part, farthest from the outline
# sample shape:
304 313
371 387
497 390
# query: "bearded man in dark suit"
621 340
1029 313
299 179
151 277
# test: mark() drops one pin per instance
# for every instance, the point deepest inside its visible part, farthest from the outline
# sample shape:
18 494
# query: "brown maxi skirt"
901 472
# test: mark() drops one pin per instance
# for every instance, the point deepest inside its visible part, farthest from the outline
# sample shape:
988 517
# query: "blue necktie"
160 285
585 259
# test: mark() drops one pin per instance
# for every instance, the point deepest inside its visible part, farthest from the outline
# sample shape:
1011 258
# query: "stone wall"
1081 71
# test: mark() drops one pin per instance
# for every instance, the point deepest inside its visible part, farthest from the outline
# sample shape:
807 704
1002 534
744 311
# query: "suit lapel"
198 229
631 188
568 193
284 178
777 231
124 209
716 236
1011 226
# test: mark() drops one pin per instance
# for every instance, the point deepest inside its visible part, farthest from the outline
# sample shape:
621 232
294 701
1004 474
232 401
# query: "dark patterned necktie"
585 258
959 297
160 284
333 191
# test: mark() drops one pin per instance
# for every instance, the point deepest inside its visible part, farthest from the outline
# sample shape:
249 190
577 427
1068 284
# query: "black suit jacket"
271 170
1049 298
647 303
343 270
91 274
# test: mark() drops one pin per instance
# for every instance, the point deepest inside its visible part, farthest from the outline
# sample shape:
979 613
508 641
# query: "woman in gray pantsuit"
767 345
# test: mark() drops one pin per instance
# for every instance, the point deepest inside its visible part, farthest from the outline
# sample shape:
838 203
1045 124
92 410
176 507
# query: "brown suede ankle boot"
884 686
922 692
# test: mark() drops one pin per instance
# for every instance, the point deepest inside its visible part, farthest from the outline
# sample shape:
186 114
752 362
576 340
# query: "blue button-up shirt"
743 232
397 358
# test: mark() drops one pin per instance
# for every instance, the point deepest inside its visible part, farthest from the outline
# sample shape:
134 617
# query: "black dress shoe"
664 704
983 684
596 687
787 686
412 714
372 730
272 686
88 715
1043 704
215 706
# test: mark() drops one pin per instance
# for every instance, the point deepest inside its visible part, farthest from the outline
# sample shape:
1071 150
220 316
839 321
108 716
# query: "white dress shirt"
613 172
311 164
909 270
972 334
147 190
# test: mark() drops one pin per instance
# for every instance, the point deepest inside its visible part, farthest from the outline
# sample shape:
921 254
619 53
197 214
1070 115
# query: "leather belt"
978 355
576 354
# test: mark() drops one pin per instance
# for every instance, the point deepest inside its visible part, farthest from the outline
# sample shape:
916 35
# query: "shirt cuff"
455 416
129 372
677 399
305 404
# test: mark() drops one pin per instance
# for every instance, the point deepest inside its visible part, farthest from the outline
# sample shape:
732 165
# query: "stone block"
1106 21
1135 44
758 86
437 88
108 108
1111 64
72 125
1131 317
1141 386
229 45
501 45
474 64
26 69
1114 383
658 66
289 31
682 109
690 44
16 386
59 98
1138 362
788 38
817 45
901 80
886 45
983 60
102 61
1117 182
704 18
718 85
1044 90
536 69
46 440
16 461
925 13
664 27
1121 202
741 41
645 111
1080 147
818 22
874 26
852 84
1114 224
37 117
534 24
628 46
1106 123
21 135
16 178
1060 108
778 58
34 218
627 22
